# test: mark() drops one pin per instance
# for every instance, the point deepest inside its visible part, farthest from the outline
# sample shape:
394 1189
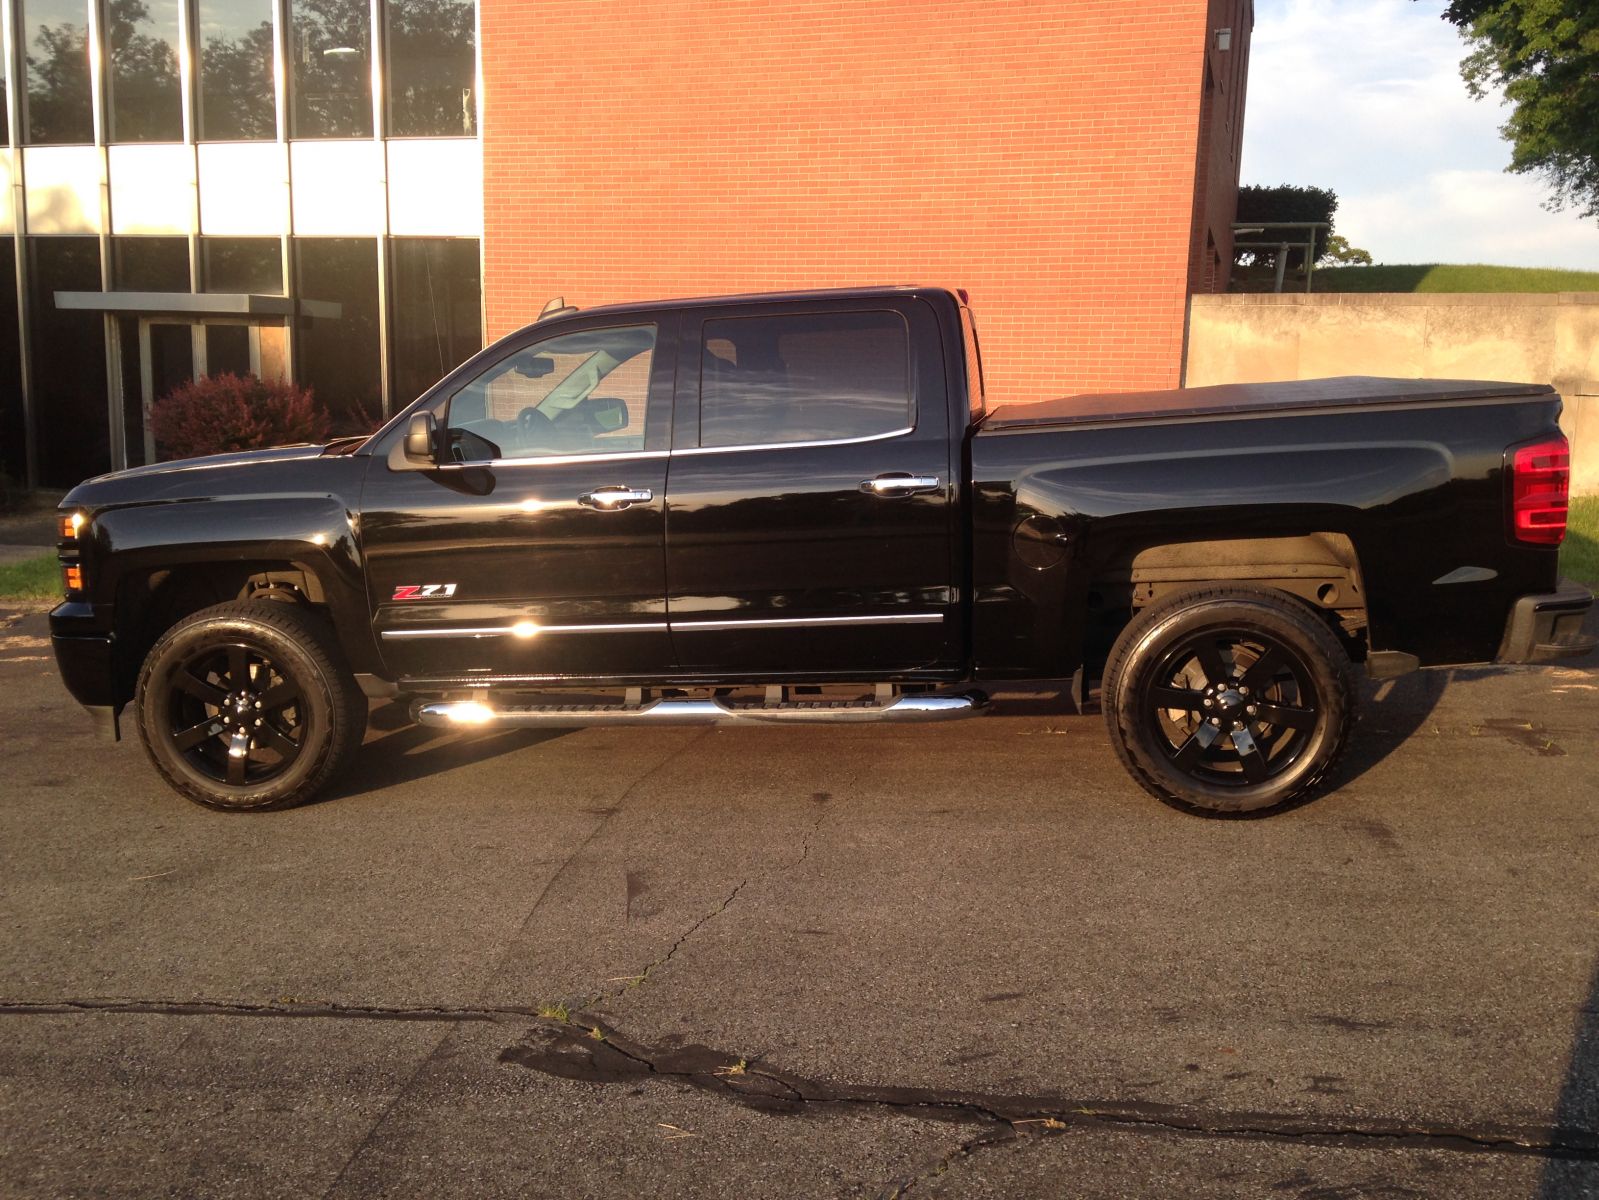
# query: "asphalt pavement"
957 961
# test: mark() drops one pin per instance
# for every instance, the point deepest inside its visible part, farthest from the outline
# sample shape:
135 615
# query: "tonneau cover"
1340 392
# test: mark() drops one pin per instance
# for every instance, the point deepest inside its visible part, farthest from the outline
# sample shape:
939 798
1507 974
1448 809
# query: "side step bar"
471 713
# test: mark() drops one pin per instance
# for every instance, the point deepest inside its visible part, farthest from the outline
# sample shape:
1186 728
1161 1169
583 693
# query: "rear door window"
805 377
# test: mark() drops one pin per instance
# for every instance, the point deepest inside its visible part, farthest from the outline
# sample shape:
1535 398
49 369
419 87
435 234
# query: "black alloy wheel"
1234 707
234 716
1229 701
248 706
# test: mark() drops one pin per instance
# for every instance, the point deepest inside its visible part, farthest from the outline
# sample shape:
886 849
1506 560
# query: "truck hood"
244 471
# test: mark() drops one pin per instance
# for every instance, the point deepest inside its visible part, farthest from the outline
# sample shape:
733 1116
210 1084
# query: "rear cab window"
805 377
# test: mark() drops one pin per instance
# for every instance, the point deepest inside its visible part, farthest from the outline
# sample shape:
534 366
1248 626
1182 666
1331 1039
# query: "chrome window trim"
482 631
557 459
745 447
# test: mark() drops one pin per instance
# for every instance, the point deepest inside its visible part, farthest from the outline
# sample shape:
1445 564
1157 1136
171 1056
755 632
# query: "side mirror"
420 440
608 413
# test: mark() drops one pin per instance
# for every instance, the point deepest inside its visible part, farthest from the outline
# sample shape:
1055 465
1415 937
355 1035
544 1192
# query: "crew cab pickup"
803 507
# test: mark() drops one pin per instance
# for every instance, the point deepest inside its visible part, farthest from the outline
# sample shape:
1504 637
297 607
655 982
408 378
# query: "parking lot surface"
955 960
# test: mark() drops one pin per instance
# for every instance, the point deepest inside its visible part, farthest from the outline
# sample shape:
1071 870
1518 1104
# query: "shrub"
216 414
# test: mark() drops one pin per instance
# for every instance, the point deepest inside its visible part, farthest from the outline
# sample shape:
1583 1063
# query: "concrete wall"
1551 338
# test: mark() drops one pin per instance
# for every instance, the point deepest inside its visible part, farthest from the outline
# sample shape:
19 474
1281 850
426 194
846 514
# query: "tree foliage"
1285 202
1340 253
1545 55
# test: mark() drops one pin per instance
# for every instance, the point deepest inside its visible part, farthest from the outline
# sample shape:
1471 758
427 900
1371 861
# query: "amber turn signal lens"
70 524
74 577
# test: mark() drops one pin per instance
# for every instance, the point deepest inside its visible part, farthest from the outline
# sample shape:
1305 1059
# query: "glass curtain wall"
331 56
236 93
72 435
338 357
13 419
436 299
142 40
432 67
55 45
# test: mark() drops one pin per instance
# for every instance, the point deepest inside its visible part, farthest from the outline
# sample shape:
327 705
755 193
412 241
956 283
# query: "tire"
248 706
1197 670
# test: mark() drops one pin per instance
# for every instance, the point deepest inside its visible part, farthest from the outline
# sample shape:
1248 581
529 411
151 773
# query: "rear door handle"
900 484
615 497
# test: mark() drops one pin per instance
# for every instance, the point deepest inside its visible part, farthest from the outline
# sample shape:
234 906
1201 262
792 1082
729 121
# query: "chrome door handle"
616 497
900 484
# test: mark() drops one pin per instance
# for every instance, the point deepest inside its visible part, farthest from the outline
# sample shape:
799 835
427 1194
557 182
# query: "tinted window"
13 431
436 302
69 381
144 71
55 41
252 265
150 264
236 92
338 356
432 77
804 378
580 393
331 53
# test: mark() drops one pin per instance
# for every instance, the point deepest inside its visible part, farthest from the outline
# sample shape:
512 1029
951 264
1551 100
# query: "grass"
31 579
1453 277
1579 555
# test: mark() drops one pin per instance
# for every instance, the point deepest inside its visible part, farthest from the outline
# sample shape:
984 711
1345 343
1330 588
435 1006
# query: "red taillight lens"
1540 491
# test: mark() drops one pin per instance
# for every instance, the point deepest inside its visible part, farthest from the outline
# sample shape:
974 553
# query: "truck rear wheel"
248 706
1229 701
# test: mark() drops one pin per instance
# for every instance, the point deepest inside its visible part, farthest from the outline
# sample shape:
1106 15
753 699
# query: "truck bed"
1245 399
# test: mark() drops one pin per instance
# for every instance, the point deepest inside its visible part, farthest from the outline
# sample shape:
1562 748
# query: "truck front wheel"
1229 701
248 706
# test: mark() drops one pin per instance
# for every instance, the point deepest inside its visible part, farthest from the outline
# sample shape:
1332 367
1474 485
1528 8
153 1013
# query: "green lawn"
31 579
1579 555
1452 277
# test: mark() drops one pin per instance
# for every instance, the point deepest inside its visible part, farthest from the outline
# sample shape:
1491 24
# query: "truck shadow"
1392 711
397 751
1576 1117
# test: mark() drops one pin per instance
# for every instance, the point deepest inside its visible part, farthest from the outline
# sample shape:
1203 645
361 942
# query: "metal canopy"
198 304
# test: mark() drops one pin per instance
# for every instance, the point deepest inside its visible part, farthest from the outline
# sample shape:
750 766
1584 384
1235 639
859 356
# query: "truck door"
811 496
535 548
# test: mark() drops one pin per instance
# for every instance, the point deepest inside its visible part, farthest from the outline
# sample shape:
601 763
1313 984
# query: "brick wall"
1042 155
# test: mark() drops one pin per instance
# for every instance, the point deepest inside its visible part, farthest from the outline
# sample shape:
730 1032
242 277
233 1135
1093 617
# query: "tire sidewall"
1145 746
291 659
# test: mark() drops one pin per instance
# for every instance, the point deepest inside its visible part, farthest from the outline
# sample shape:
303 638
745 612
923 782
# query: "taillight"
1540 491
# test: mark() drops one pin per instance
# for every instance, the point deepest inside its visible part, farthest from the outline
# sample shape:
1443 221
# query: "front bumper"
1546 627
87 663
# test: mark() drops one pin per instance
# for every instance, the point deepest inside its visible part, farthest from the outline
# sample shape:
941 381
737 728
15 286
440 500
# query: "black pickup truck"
800 507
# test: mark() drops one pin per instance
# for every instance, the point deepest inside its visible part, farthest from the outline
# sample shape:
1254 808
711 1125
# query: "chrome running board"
474 713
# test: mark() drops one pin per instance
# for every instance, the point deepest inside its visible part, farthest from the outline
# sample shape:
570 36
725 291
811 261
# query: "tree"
1340 253
1285 202
1545 55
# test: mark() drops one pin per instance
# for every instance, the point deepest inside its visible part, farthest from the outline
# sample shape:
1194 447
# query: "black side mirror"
419 439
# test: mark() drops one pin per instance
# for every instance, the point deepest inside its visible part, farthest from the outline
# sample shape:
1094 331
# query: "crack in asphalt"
571 1050
574 1052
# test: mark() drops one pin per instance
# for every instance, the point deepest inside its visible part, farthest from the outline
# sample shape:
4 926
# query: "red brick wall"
1042 155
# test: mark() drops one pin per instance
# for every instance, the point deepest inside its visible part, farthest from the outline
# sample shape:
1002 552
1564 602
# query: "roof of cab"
751 298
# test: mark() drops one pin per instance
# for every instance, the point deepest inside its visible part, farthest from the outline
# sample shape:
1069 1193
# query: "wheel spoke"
188 682
271 736
238 757
1249 757
1264 669
1210 659
188 739
238 667
1175 697
276 697
1285 715
1190 752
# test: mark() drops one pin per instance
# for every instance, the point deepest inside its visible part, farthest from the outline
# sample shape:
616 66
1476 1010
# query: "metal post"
101 118
188 83
379 129
280 71
1282 265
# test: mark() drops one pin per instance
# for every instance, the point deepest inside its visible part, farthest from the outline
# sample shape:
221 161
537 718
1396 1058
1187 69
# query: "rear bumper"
1546 627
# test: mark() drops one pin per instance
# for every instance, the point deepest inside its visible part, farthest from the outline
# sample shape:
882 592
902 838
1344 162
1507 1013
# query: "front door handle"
900 484
616 497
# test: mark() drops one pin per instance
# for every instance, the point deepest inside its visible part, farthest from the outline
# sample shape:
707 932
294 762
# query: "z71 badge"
423 591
